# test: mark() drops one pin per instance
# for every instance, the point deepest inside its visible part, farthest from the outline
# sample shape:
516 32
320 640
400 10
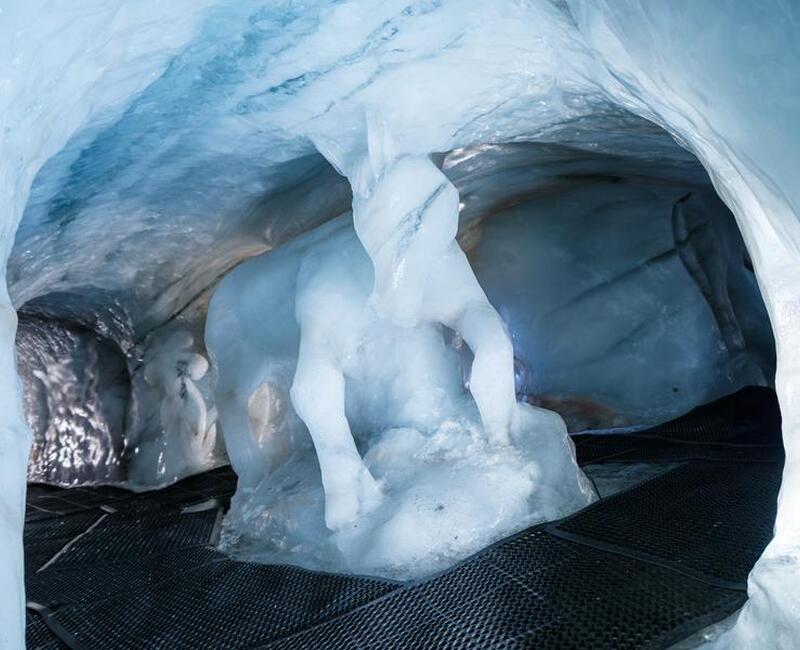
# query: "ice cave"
381 324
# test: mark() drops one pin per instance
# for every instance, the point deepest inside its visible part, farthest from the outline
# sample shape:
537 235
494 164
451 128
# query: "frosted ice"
149 148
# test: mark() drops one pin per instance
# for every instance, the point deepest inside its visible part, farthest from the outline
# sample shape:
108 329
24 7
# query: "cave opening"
619 273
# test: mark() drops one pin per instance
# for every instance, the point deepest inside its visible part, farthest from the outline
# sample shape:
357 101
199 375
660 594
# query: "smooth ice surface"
610 478
148 148
606 278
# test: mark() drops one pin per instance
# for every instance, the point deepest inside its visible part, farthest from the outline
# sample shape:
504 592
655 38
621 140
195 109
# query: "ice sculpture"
405 213
154 146
436 483
173 371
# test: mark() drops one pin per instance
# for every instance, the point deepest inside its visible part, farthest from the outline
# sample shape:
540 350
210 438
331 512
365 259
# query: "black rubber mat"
650 451
143 523
190 597
632 448
82 584
146 576
749 416
48 502
135 535
44 538
217 604
38 636
641 569
708 520
600 448
219 484
534 591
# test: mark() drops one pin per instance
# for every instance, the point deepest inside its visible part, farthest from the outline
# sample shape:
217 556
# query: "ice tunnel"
400 324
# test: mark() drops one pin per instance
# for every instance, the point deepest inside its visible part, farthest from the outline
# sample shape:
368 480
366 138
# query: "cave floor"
687 509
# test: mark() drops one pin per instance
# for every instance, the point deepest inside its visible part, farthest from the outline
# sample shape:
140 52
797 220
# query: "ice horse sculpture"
368 352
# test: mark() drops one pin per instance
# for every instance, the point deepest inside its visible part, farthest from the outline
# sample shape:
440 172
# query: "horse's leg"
318 397
456 299
492 378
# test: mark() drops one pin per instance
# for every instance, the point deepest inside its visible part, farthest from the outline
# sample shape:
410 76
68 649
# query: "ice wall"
76 389
737 111
142 418
605 266
113 50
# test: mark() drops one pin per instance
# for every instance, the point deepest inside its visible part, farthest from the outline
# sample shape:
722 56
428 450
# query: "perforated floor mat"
38 636
49 502
749 416
147 577
139 534
44 538
641 569
631 448
534 591
708 520
213 604
744 427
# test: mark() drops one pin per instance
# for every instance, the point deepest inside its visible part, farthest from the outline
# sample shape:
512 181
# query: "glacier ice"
209 132
736 112
627 295
140 418
75 386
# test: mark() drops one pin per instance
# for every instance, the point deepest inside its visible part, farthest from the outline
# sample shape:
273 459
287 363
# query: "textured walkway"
644 568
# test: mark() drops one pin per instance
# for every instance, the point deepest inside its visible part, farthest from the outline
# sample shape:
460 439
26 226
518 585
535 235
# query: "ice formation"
442 476
146 149
76 388
175 375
